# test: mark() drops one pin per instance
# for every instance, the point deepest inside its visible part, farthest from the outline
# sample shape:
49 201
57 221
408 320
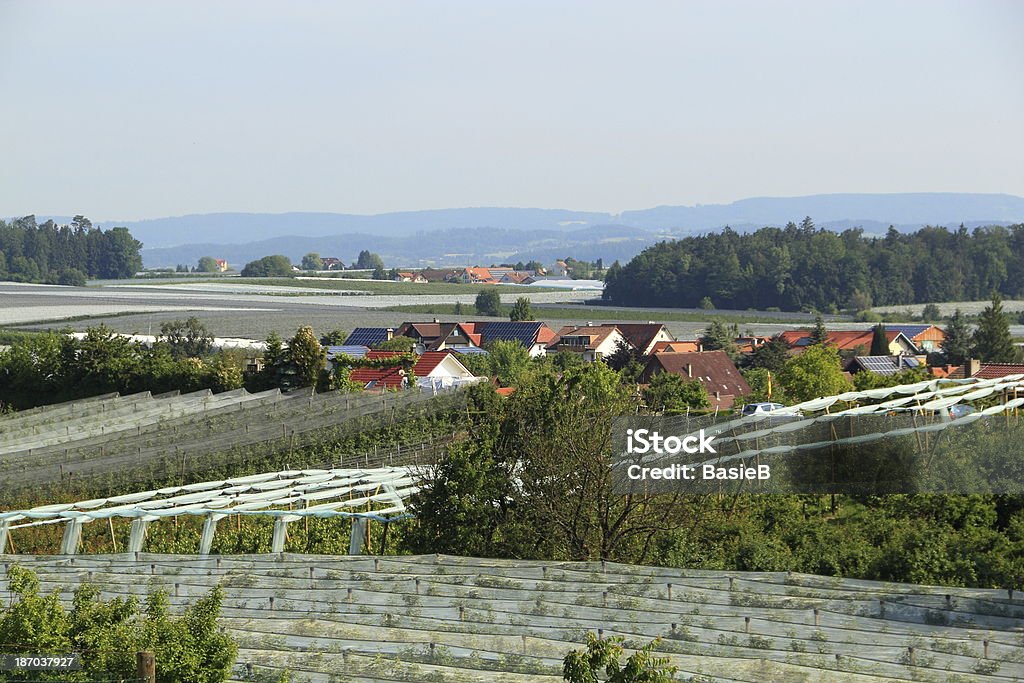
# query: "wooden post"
145 667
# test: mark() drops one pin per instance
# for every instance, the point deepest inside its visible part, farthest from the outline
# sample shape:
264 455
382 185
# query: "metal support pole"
355 545
72 537
280 534
138 535
209 528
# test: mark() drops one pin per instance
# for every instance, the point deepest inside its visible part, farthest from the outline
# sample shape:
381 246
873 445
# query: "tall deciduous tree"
186 338
307 356
814 373
488 302
507 360
268 266
208 264
312 261
367 260
669 392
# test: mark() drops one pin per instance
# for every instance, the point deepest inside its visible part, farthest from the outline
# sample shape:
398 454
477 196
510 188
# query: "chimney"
390 333
973 367
689 369
590 323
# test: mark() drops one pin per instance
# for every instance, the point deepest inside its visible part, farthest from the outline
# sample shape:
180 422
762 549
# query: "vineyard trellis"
286 496
146 438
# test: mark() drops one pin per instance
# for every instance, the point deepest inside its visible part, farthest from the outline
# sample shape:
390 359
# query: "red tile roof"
596 334
841 339
685 346
640 335
392 377
996 370
479 275
713 369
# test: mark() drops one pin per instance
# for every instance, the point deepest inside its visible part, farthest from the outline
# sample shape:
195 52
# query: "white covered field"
437 618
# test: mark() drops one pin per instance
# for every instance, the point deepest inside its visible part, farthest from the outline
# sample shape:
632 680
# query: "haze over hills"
485 235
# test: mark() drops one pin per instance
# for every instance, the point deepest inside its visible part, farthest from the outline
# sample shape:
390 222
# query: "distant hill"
909 209
486 234
464 246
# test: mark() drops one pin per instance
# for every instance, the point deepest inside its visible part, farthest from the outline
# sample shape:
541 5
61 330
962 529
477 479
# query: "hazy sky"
125 110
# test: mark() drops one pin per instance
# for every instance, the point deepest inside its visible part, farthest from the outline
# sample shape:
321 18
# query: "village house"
470 276
516 277
855 341
980 370
440 274
409 276
678 346
927 338
499 272
645 336
750 344
532 334
592 342
713 369
434 370
437 336
559 269
331 263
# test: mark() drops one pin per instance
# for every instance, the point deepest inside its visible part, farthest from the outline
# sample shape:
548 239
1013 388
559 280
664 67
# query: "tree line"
66 254
801 267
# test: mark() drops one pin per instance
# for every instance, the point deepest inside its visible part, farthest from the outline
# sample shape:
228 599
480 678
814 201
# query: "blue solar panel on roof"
367 336
523 332
887 365
909 331
353 351
468 350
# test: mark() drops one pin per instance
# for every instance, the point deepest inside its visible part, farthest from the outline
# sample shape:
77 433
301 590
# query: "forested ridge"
66 254
804 268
